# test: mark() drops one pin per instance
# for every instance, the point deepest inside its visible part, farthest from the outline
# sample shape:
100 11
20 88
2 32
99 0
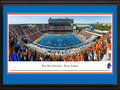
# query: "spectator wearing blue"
46 59
14 55
31 59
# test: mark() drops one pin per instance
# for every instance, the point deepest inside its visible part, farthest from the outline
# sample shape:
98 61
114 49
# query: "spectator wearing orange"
82 57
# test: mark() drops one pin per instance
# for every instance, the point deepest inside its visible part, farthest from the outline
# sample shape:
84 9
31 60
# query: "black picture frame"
59 3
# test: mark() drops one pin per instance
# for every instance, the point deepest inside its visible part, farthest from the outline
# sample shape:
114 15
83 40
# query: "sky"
44 19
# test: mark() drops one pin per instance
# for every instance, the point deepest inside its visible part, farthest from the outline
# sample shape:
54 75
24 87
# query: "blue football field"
59 41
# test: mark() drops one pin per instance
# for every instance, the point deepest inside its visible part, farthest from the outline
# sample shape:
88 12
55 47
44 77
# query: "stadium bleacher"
24 31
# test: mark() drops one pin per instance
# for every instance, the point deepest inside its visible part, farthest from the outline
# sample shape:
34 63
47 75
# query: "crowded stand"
57 41
48 28
25 31
88 35
18 51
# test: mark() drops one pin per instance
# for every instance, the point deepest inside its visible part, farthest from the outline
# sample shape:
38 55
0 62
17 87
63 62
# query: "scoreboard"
60 21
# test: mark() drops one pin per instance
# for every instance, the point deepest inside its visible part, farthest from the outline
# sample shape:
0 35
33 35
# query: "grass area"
102 27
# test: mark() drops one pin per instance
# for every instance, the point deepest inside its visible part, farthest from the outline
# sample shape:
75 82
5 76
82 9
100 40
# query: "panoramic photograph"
60 38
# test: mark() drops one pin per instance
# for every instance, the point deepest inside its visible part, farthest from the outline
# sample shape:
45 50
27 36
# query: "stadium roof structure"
85 25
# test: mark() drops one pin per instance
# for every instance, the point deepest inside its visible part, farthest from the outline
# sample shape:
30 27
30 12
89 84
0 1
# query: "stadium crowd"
19 52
